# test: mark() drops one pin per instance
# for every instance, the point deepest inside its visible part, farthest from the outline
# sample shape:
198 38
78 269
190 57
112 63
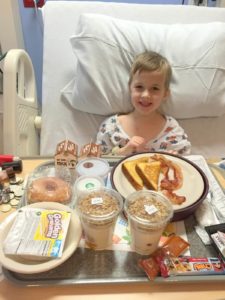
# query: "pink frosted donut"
49 189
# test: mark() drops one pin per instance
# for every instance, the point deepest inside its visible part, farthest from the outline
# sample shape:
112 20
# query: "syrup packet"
175 245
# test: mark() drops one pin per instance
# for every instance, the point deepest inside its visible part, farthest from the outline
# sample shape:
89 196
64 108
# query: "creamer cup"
93 166
86 183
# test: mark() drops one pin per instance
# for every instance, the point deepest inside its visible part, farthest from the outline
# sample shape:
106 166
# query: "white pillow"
105 48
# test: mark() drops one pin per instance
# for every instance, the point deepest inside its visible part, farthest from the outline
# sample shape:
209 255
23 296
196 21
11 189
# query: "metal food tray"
87 266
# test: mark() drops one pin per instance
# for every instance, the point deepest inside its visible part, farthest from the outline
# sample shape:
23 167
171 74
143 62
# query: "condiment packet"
38 233
175 245
150 266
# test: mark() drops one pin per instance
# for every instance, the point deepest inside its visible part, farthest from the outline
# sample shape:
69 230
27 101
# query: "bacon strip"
168 184
176 182
173 197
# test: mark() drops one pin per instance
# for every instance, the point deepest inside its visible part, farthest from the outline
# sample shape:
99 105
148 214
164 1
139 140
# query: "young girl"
145 128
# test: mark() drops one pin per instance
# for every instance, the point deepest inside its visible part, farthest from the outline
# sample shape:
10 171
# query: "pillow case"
105 48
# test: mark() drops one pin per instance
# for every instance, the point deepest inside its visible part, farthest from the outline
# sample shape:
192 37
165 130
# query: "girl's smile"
148 91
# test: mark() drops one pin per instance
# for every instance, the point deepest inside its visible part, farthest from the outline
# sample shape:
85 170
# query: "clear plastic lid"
93 166
148 207
49 184
99 204
86 183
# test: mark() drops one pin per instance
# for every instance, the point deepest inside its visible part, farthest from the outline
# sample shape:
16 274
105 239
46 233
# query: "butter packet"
37 233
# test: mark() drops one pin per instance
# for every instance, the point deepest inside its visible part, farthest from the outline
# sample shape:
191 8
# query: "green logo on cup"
89 185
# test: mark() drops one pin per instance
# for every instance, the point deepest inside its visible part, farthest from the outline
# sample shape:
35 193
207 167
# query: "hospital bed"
77 72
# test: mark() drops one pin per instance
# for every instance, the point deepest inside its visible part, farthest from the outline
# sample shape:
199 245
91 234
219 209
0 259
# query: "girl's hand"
172 152
135 145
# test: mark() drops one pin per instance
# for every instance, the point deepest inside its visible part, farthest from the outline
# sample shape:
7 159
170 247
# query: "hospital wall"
33 30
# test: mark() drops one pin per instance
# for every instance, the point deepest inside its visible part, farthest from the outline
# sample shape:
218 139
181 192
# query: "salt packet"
37 233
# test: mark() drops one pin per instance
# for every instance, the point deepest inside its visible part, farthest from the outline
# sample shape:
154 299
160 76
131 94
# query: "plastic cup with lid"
93 166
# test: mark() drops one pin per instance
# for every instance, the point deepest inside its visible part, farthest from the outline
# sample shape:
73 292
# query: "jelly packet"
37 233
175 245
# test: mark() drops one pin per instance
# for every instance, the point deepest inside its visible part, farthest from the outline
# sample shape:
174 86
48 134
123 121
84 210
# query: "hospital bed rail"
21 114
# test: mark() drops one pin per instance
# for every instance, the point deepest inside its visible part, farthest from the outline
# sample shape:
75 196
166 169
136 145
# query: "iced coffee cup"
148 214
98 210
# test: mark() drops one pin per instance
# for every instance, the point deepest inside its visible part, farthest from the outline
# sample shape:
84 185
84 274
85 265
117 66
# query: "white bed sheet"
59 121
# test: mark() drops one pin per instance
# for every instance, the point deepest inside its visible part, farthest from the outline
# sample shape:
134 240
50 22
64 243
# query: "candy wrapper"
174 266
155 264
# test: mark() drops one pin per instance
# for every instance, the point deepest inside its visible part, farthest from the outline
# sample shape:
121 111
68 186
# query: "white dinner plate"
28 266
194 188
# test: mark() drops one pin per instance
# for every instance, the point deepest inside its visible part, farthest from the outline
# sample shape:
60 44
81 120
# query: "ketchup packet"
152 265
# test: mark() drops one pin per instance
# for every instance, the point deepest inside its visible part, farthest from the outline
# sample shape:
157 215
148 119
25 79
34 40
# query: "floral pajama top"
171 138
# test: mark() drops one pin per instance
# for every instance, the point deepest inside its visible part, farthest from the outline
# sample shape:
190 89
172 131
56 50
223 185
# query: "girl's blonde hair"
151 61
